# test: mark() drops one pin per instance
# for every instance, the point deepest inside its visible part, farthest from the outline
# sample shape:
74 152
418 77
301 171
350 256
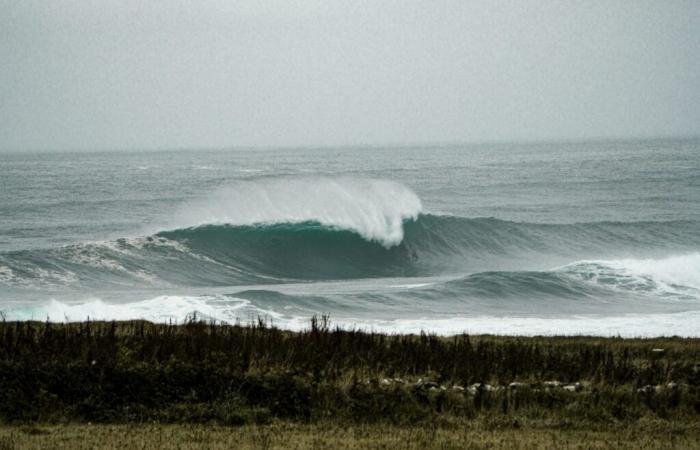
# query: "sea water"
557 238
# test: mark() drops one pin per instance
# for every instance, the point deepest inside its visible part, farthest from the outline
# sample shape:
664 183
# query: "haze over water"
597 237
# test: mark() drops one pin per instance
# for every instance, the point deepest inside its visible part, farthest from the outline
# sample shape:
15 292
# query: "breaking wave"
221 255
271 232
374 209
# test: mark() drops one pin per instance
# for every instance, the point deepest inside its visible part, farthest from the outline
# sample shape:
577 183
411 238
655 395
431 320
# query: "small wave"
676 275
410 285
6 274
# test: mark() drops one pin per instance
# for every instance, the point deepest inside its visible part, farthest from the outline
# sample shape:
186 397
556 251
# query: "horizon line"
367 146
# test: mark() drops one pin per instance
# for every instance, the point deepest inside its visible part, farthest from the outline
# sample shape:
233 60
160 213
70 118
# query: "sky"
135 74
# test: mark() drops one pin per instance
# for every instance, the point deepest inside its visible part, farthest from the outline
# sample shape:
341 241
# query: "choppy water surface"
595 238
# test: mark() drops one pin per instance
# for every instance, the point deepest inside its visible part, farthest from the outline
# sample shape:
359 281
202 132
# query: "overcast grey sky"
173 74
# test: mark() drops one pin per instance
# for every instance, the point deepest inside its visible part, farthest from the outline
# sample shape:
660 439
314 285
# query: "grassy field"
332 435
257 386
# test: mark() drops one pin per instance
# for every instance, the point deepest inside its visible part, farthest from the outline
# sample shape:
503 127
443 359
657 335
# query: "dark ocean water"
596 238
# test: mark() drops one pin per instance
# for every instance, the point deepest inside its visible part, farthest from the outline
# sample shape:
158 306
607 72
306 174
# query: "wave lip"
375 209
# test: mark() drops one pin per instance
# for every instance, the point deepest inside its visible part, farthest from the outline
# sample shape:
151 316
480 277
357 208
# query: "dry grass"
334 436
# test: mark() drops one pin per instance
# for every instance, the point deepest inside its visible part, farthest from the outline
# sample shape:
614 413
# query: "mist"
95 75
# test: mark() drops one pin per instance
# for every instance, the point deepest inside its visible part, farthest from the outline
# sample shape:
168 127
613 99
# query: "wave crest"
375 209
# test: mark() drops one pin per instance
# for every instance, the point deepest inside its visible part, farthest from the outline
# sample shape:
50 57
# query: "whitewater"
587 238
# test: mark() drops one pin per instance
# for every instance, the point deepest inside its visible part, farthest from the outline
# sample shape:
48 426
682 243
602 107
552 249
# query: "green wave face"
304 251
227 255
432 245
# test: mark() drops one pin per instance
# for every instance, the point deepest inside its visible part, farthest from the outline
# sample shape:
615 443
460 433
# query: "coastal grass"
334 435
328 387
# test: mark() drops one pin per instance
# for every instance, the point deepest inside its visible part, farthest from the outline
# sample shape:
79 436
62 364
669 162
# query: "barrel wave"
223 255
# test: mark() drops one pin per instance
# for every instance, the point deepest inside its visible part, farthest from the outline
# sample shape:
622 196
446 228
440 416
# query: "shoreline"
681 324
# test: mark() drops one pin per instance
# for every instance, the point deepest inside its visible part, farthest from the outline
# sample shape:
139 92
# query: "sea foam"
227 309
678 274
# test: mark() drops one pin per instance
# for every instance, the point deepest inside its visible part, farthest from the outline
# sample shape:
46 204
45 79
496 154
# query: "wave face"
360 234
223 255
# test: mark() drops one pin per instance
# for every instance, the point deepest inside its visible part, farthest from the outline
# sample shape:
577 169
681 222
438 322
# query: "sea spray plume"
375 209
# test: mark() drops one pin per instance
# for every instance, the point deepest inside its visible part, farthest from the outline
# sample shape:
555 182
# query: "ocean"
597 238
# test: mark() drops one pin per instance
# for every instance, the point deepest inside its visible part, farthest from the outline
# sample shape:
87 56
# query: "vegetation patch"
206 373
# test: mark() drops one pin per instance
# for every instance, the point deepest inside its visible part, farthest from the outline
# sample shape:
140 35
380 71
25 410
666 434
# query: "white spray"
375 209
